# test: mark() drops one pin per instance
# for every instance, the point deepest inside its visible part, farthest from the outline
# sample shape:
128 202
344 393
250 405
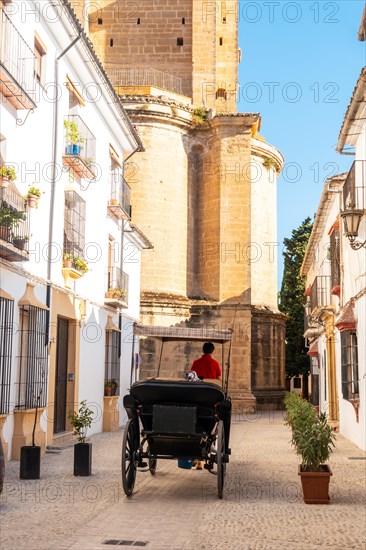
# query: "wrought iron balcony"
354 188
117 293
120 202
17 62
14 225
80 145
320 297
131 77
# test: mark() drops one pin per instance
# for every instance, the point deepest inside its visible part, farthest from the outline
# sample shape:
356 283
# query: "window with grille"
221 92
334 259
349 359
39 62
74 225
112 362
32 382
6 343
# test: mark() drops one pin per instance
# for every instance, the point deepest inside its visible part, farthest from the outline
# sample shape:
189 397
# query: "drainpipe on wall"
53 185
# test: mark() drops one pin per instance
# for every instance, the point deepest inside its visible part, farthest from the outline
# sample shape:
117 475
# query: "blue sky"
300 63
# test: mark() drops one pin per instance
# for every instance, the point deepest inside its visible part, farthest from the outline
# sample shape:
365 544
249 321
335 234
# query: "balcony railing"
144 76
118 281
354 188
80 146
320 293
17 62
14 225
120 201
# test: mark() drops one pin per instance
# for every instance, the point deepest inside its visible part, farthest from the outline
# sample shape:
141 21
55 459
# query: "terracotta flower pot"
5 233
32 200
4 181
315 485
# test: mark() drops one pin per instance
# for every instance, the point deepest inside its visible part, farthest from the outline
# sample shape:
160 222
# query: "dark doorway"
59 422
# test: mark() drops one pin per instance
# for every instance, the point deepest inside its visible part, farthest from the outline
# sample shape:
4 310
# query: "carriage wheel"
129 448
152 465
221 466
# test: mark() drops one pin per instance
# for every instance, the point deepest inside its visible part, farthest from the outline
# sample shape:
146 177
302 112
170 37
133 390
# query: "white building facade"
335 269
70 267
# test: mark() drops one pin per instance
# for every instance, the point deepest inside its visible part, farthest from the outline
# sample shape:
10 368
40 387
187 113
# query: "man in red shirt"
206 366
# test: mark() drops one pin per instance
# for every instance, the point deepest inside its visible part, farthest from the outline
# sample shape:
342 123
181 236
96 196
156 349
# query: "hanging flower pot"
7 174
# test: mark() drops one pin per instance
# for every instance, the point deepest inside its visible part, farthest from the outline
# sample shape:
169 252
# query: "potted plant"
9 219
7 174
30 455
313 440
114 386
108 388
81 421
110 293
80 265
73 138
67 260
33 196
120 293
20 242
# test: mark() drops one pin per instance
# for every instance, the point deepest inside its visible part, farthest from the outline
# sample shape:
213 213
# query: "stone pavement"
179 509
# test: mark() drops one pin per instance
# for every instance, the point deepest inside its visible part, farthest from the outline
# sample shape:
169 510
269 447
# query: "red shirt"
207 367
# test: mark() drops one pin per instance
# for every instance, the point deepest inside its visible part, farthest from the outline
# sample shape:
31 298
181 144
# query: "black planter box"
30 462
82 459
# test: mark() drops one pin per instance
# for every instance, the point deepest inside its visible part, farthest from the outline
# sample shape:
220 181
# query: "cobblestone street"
179 509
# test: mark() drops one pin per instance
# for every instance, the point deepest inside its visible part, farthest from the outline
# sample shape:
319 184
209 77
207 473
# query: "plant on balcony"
33 196
67 260
118 293
20 242
110 387
9 219
72 137
80 265
7 174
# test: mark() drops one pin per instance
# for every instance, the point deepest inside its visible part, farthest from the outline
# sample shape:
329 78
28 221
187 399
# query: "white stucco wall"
29 148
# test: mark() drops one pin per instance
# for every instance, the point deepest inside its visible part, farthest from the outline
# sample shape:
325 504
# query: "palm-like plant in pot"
81 421
313 440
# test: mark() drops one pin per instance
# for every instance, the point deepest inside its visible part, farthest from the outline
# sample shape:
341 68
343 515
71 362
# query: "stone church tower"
204 190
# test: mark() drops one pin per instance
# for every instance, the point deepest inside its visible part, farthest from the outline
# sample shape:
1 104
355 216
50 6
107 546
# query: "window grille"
354 188
334 259
349 359
221 92
112 360
74 225
320 292
6 344
32 385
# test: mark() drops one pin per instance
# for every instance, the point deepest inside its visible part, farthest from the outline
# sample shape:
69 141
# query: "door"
59 422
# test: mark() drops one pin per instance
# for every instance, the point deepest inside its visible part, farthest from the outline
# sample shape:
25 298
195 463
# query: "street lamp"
351 220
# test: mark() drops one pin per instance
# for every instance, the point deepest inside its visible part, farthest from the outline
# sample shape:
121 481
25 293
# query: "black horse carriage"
177 419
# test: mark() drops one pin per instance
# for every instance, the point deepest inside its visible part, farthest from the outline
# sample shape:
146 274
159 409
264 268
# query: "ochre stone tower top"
193 41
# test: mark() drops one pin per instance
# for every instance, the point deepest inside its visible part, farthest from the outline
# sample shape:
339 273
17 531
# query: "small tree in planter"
81 421
313 440
73 138
30 455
